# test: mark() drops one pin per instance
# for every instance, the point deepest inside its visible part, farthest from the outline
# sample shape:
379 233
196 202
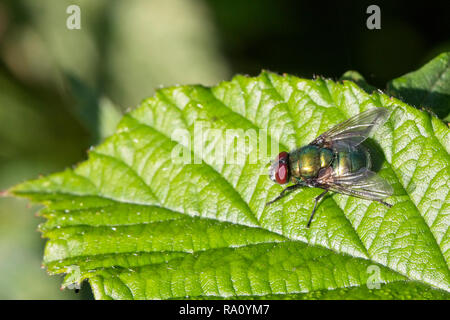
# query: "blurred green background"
62 90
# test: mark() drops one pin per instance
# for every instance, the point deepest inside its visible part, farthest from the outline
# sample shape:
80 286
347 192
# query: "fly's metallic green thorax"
307 161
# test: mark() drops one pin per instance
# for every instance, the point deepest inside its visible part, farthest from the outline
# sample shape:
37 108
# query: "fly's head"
279 169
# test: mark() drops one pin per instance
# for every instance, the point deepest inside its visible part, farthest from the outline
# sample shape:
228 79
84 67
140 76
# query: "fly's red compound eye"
281 173
282 157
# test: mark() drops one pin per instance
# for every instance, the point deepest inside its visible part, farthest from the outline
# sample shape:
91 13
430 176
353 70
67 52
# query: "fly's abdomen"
350 161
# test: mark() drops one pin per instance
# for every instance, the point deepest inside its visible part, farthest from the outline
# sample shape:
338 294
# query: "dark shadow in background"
436 102
329 38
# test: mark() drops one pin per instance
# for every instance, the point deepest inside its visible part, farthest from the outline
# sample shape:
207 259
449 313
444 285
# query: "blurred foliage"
55 83
59 92
428 87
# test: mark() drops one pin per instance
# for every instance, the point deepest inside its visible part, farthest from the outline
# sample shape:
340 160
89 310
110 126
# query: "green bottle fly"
335 161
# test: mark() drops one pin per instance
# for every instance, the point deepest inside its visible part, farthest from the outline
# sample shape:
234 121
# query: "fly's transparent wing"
355 130
363 184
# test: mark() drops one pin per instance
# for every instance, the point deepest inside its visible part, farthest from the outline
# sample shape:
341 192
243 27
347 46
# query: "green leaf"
140 226
357 78
427 87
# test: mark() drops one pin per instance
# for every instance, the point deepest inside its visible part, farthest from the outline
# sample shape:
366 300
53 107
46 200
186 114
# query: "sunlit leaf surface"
140 226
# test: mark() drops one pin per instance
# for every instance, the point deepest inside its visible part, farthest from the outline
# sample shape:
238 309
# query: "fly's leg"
288 189
385 203
320 196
